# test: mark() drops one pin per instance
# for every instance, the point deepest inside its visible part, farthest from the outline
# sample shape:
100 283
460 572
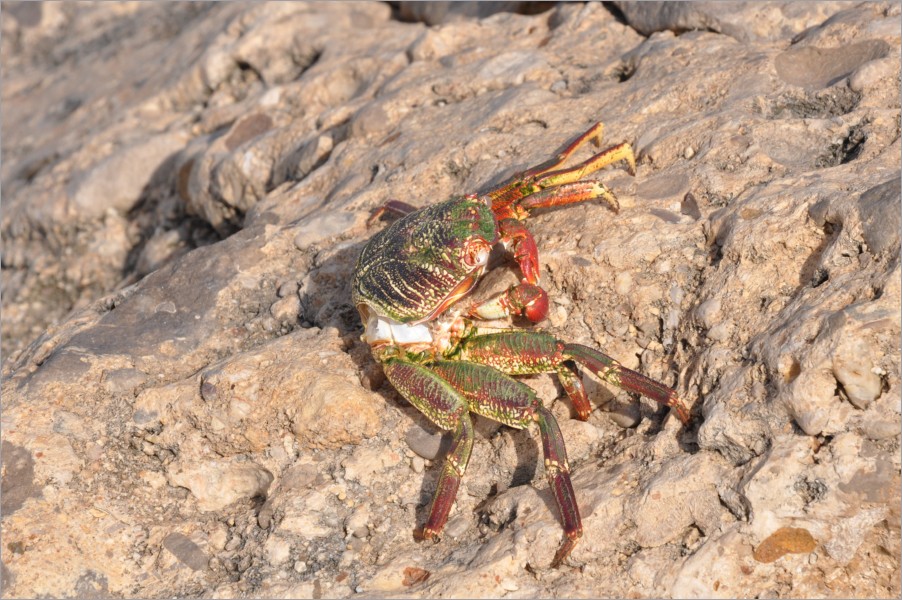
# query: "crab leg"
495 395
573 385
570 193
594 134
509 193
598 161
610 370
525 299
505 199
557 469
443 405
397 208
529 352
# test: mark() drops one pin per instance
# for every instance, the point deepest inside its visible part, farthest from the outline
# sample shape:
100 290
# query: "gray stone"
188 553
18 477
740 20
816 68
426 444
879 212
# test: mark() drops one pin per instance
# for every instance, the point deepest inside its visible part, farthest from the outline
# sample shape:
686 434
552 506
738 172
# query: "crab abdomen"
411 269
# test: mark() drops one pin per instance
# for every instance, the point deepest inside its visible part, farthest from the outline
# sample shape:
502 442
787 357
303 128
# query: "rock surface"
188 409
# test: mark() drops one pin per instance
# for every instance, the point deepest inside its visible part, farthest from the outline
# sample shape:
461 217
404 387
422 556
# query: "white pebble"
287 308
417 464
708 312
853 368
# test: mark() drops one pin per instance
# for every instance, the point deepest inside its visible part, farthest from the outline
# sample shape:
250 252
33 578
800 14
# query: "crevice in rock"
624 71
824 104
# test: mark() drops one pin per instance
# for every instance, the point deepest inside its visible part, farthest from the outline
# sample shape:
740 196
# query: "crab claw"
525 299
531 300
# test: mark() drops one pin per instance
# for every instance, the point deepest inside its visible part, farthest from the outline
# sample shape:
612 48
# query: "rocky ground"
188 409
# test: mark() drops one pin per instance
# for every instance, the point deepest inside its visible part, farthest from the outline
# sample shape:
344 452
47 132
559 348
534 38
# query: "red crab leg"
511 192
529 352
557 470
570 193
573 385
394 207
612 371
444 406
494 395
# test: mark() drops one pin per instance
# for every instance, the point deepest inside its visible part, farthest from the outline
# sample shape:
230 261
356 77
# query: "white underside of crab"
383 330
436 336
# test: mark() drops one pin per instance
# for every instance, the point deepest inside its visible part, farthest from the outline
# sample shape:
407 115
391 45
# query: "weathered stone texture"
188 409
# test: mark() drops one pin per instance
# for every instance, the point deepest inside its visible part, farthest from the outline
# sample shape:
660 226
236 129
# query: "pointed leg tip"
564 551
613 203
680 408
422 534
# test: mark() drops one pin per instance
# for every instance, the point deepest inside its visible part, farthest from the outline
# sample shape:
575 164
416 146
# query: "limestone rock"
216 484
189 410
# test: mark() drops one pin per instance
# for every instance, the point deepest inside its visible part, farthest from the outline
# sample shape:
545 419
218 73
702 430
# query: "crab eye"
477 254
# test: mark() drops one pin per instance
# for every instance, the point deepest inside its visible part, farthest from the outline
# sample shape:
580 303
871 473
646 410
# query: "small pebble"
287 289
708 312
426 444
625 415
720 332
417 464
854 369
287 308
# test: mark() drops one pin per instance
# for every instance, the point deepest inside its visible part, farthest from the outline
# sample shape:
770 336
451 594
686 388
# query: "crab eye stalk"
476 253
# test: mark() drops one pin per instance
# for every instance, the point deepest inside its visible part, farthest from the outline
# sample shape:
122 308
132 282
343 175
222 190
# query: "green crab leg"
530 352
443 405
493 394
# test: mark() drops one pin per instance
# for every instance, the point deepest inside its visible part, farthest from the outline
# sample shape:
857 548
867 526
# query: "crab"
449 360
